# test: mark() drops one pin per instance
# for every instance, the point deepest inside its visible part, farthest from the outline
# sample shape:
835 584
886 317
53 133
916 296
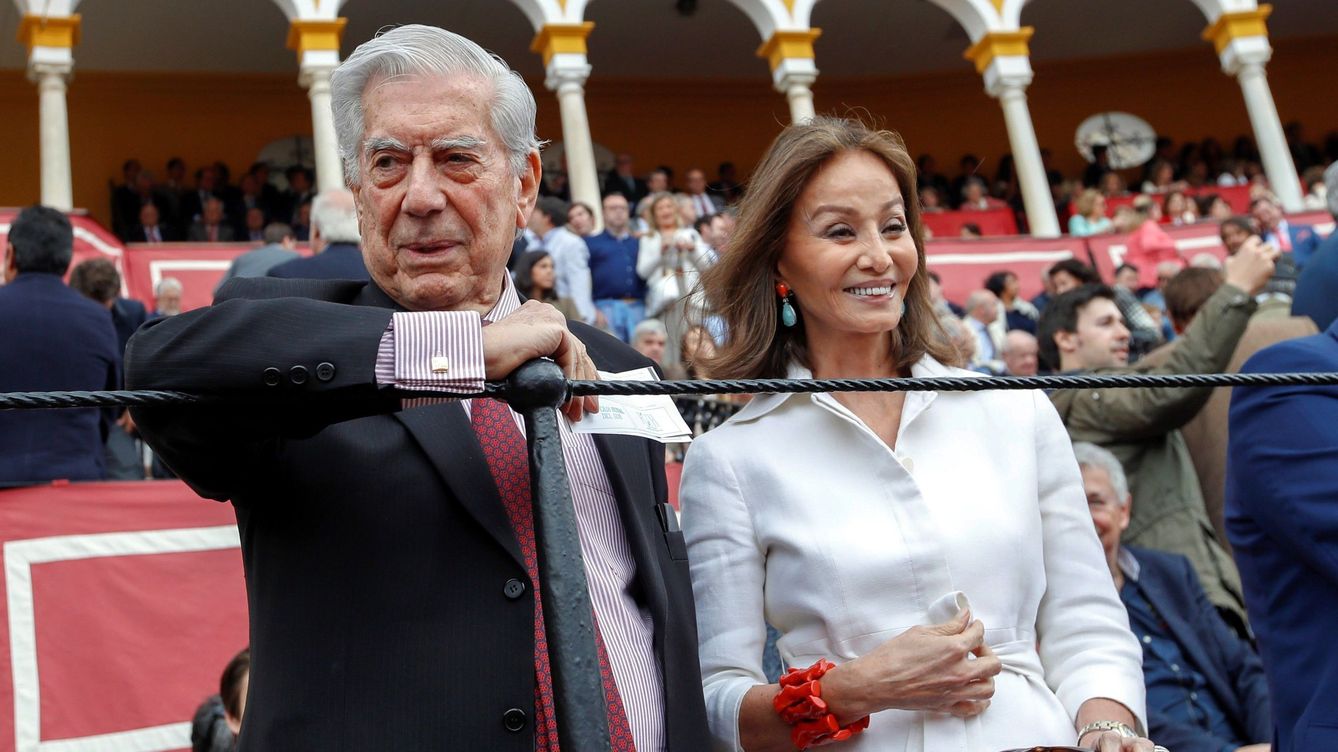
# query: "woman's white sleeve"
728 576
1082 628
648 256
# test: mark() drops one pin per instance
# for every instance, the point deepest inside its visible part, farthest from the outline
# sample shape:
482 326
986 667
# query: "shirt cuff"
432 351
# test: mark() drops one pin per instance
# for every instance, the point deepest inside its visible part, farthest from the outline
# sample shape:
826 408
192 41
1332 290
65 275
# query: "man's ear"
1126 512
1067 342
11 269
527 189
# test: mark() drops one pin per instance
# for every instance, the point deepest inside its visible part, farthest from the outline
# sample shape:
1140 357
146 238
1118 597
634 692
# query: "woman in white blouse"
936 547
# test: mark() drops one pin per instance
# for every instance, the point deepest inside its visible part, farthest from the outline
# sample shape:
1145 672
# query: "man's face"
1021 357
580 220
625 165
1063 282
1266 214
1127 278
1101 339
213 212
438 203
658 182
650 344
1110 514
696 181
615 214
298 181
255 218
1233 238
169 302
148 215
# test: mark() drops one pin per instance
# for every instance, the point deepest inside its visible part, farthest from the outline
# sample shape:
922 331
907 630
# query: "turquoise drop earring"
788 316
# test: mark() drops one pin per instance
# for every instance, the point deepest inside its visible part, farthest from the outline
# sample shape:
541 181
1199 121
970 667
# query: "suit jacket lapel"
1190 641
625 461
444 433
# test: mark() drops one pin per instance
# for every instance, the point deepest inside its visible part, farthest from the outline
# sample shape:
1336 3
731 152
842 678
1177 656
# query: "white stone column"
315 78
1241 40
1003 59
798 91
567 77
54 130
793 70
1036 197
316 41
1268 134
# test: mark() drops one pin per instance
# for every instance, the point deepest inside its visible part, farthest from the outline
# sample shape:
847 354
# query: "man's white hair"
167 284
333 215
1091 455
417 49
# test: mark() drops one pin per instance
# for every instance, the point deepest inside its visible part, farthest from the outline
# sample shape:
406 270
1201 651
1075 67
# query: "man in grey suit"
278 248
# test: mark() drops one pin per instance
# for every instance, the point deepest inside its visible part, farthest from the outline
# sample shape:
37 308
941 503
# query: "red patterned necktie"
504 449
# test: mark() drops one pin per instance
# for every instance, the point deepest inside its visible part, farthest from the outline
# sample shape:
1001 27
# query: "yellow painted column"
50 41
1003 59
1241 40
564 52
793 70
316 42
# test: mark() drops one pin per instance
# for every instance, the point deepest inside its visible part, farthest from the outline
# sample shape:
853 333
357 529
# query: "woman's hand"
1109 741
944 668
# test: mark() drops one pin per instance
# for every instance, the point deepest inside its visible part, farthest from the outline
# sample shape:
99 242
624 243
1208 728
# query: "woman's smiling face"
849 255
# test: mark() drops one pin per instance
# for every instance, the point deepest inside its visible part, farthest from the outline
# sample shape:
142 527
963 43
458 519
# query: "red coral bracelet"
800 704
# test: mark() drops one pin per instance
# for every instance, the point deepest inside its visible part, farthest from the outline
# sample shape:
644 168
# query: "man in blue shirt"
1206 690
618 291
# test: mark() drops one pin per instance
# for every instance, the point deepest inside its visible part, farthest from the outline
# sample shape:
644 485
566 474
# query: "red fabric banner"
991 222
122 603
197 266
91 240
1108 251
963 265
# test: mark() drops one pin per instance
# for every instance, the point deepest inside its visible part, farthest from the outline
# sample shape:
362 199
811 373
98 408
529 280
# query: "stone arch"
978 17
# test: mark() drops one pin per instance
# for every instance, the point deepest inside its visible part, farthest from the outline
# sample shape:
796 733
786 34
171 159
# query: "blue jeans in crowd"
623 315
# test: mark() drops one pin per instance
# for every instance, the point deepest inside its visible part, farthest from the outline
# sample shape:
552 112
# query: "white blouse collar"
916 402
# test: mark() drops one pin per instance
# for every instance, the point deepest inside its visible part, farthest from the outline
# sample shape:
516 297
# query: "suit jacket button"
298 375
271 376
325 371
513 589
514 720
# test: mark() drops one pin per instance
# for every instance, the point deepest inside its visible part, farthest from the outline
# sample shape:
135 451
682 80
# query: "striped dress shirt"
452 342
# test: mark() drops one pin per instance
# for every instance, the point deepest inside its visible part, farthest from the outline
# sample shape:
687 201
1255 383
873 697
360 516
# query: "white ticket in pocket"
652 417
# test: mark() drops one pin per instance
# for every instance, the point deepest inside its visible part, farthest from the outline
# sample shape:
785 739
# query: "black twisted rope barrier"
503 390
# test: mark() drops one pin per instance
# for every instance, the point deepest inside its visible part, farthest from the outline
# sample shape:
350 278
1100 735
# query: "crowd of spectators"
1180 179
1153 461
209 208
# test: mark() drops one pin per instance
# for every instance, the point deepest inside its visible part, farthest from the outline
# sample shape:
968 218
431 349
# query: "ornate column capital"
312 34
49 31
46 73
998 44
566 72
1241 38
555 40
789 44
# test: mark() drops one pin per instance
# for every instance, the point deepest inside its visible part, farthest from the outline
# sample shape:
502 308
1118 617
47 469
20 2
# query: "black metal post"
535 389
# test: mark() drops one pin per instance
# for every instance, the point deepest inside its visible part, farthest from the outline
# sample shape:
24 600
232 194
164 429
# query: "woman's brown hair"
741 286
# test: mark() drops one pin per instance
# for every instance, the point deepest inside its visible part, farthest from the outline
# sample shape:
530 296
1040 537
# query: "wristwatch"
1120 728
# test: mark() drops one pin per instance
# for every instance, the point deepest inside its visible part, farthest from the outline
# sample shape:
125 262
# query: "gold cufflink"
440 364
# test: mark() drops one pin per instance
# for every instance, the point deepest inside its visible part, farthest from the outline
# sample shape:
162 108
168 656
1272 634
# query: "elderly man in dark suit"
1205 685
53 338
1282 482
334 242
388 545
